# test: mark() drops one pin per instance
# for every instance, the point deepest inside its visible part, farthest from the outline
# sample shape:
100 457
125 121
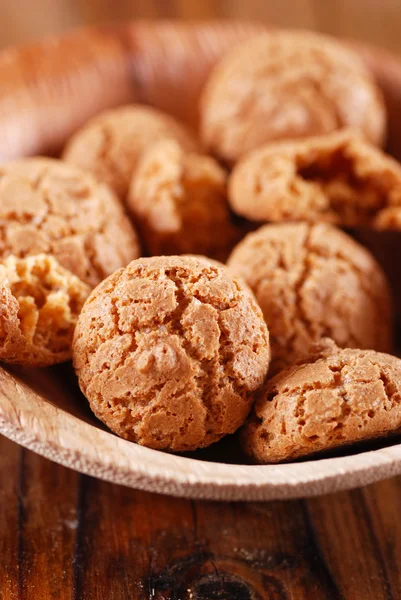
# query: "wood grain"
9 516
45 529
66 536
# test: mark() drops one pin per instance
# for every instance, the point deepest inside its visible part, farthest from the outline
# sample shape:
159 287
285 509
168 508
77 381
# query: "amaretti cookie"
178 200
110 144
48 206
39 306
338 178
169 352
284 85
313 281
336 398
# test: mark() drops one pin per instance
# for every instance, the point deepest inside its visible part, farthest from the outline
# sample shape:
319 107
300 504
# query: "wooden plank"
354 545
9 463
366 20
383 502
134 544
67 536
47 523
122 535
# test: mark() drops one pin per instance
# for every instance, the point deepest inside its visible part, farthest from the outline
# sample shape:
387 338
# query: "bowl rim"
41 426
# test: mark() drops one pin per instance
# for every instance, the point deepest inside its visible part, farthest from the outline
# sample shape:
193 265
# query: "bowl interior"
58 386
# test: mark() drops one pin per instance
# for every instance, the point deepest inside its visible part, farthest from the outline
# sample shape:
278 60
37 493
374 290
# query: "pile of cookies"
114 256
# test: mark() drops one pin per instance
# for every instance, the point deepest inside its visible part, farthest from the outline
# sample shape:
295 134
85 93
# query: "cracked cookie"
313 281
39 308
336 397
48 206
169 352
178 200
111 143
338 178
286 85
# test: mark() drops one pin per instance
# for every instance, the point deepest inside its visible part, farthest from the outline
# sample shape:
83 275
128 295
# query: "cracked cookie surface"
336 397
39 308
338 178
110 145
313 281
48 206
287 85
179 202
169 352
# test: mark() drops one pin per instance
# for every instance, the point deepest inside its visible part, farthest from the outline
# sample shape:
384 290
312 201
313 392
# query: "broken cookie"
48 206
338 178
39 308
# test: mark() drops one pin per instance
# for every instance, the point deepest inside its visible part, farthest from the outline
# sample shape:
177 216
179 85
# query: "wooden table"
374 21
69 537
66 536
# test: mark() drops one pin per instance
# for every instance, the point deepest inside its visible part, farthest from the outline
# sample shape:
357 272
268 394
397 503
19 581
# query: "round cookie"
48 206
338 178
110 144
313 281
179 202
285 85
169 352
335 398
39 308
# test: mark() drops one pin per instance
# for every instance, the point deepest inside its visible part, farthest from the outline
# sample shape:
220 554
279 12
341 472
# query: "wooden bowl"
49 89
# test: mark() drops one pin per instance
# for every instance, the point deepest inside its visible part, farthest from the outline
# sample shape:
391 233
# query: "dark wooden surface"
68 537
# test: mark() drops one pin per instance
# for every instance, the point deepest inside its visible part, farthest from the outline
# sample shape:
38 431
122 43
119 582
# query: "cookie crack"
206 366
41 221
390 390
301 282
364 281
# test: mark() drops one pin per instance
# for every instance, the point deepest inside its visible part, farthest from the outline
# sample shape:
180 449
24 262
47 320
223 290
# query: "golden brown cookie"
285 85
336 398
179 202
313 281
49 206
338 178
169 351
111 143
39 306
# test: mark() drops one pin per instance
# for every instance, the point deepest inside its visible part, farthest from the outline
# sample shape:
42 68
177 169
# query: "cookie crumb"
337 178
